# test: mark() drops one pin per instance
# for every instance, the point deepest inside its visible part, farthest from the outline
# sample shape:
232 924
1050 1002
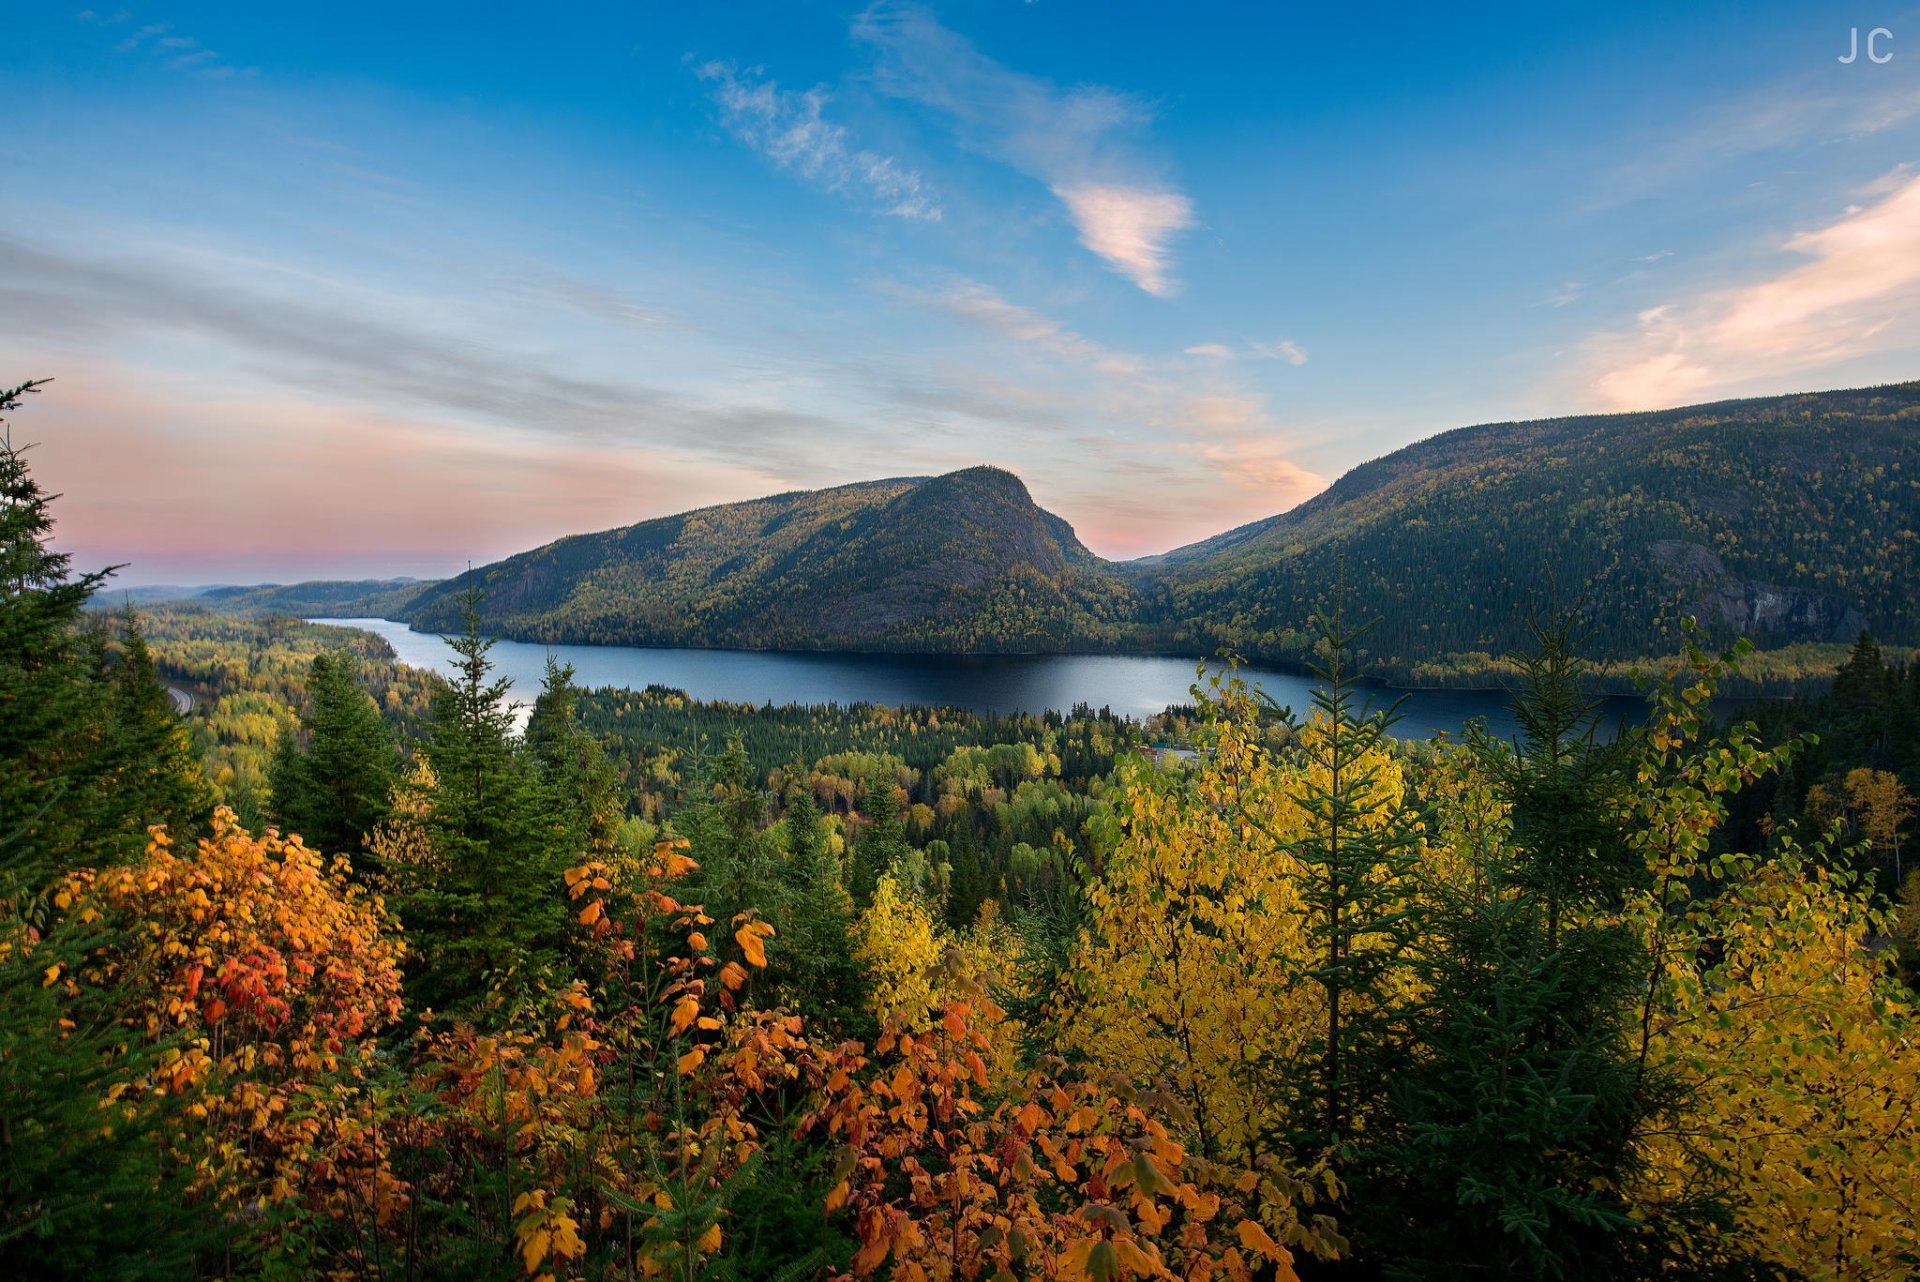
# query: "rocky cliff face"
1763 611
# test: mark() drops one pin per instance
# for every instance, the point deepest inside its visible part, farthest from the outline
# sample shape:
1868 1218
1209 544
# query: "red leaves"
1065 1171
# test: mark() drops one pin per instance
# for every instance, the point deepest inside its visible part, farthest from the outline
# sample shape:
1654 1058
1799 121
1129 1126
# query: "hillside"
332 598
964 562
1787 519
1790 520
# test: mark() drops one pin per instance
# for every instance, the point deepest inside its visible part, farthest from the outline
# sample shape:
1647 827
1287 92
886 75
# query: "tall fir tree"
492 916
819 971
332 779
1357 851
157 778
580 786
63 1158
1516 1126
882 842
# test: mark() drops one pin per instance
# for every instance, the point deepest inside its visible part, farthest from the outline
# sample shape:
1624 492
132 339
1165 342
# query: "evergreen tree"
493 918
817 965
578 780
157 779
1516 1127
724 827
883 841
1357 852
63 1159
335 787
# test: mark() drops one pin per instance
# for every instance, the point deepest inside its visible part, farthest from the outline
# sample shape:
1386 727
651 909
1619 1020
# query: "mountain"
1785 519
964 562
331 598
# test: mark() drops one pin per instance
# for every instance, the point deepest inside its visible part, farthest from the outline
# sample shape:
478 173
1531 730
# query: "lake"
1136 686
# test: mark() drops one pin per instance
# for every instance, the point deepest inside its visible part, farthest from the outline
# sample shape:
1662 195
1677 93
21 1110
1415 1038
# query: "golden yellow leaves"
546 1230
751 937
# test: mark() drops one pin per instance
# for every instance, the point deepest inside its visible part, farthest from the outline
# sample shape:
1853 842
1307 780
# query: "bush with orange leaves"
264 973
1063 1179
617 1127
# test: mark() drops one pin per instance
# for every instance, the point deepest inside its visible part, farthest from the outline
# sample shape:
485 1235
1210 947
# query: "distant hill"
964 563
329 598
1791 520
1785 519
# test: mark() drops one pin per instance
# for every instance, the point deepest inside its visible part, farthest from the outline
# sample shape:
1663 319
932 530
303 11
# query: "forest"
347 973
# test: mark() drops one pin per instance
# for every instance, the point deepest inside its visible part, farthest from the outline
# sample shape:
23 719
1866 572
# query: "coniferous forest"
346 972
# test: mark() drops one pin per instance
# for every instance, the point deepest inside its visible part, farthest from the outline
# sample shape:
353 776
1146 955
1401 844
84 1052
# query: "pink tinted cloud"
1855 293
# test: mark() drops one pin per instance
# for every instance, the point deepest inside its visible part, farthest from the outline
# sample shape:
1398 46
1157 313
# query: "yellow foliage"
898 940
1806 1058
1195 967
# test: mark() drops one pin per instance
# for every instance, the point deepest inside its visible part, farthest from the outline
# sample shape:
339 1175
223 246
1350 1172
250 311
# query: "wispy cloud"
1202 414
179 52
1212 352
340 348
1284 349
986 309
1778 117
790 128
1856 293
1237 434
1080 142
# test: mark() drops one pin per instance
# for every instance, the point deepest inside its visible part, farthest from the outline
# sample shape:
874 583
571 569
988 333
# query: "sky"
343 290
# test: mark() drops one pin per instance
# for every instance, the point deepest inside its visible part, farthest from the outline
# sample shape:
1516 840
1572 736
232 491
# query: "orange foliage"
264 972
1061 1180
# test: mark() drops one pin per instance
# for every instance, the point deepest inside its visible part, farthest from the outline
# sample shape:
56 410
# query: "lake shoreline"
1622 679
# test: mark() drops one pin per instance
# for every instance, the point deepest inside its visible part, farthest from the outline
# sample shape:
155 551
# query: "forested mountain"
964 562
1788 520
333 598
1783 519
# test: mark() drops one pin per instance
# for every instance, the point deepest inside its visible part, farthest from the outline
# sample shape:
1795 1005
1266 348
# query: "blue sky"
333 291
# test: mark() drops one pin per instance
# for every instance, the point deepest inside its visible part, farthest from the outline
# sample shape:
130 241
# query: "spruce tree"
881 844
1515 1126
491 923
63 1158
580 786
822 977
332 780
724 827
1357 852
157 778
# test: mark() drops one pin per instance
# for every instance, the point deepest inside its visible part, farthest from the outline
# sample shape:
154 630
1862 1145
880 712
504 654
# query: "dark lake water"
1134 686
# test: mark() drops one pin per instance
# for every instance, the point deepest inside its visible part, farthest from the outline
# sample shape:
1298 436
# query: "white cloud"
1211 351
1857 293
789 127
1131 228
1076 140
1283 350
